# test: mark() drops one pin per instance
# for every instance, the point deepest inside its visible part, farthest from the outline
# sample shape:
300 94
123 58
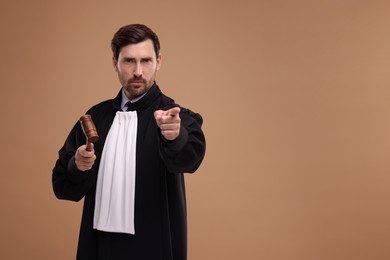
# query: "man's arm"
183 143
72 176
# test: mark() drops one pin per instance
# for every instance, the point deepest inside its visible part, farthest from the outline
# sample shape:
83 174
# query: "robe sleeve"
186 152
68 182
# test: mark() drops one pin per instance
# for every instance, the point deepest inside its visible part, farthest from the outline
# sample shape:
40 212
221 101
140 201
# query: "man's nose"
138 70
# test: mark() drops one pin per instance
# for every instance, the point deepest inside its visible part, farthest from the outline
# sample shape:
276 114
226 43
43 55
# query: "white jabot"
115 189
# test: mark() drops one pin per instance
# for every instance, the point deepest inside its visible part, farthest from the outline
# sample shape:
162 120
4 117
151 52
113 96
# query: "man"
132 182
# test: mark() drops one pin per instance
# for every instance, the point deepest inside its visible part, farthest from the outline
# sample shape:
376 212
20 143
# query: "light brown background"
295 100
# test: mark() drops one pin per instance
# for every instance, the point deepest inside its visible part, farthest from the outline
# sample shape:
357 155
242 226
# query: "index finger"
173 111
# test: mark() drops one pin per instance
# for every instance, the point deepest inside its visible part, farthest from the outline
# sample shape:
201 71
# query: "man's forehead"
144 48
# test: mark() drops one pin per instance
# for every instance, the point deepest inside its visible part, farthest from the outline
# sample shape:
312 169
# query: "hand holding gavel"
85 154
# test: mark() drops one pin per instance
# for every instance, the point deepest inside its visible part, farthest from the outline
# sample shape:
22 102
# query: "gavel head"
89 128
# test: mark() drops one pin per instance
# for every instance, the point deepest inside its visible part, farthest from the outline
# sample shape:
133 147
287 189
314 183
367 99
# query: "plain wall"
295 101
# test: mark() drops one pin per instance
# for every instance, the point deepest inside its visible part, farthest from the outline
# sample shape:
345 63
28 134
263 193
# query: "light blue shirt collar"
125 99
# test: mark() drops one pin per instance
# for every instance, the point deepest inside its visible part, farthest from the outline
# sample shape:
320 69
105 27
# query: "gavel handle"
89 147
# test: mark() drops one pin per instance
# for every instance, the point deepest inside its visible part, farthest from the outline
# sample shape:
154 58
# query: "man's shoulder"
101 106
168 103
105 105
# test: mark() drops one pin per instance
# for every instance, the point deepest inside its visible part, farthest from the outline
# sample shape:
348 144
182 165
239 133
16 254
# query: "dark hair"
131 34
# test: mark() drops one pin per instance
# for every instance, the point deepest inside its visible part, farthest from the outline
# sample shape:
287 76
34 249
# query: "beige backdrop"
295 100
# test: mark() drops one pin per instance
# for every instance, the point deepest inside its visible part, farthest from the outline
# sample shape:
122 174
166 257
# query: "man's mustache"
137 80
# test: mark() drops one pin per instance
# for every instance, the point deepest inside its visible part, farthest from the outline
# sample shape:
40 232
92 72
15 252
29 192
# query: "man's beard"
137 90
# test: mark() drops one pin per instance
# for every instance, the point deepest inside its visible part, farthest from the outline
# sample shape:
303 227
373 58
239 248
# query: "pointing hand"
169 122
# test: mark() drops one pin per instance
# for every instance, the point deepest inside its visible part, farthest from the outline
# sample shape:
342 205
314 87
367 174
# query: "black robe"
160 202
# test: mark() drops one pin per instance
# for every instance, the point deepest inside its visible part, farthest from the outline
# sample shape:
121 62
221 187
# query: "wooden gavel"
89 130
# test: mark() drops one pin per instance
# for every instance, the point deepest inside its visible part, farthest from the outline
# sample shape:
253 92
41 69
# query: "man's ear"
159 61
114 63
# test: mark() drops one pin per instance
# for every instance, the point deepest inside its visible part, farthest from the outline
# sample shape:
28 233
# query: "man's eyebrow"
133 58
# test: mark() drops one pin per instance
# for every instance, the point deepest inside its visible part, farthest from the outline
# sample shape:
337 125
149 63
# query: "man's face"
137 66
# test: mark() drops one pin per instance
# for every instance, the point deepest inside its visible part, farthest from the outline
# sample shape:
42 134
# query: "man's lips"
136 82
